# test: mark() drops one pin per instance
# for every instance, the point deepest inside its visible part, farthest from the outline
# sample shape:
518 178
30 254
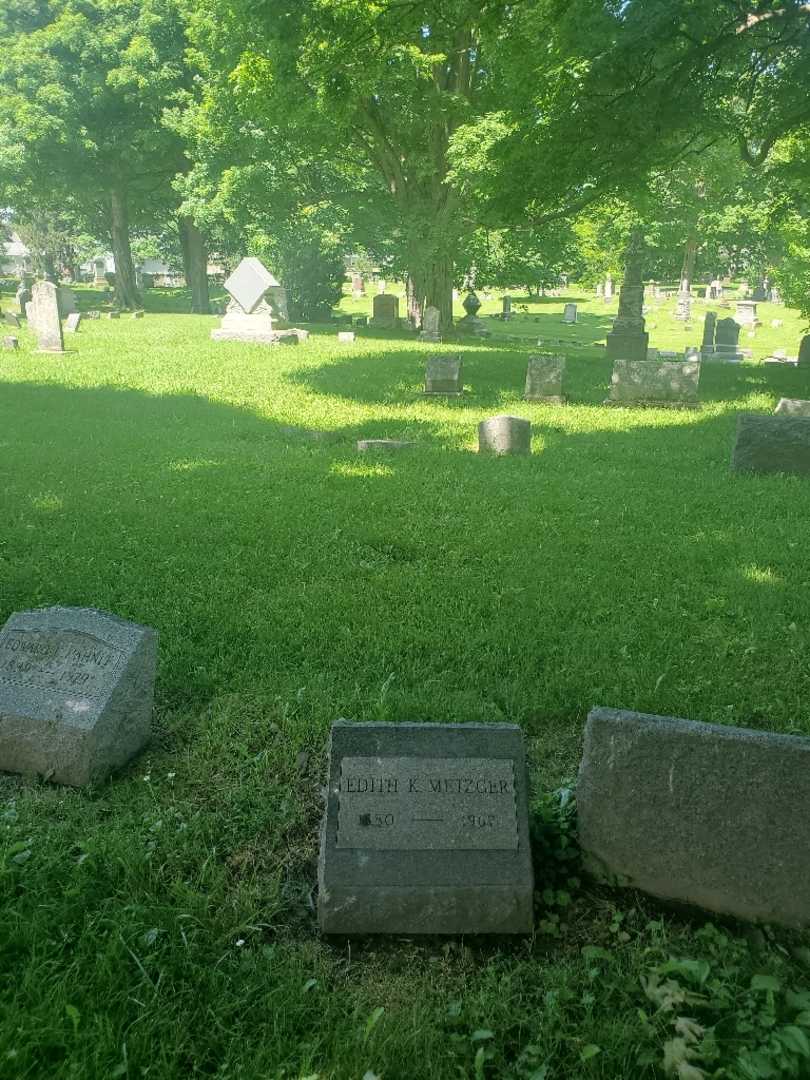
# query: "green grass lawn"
163 925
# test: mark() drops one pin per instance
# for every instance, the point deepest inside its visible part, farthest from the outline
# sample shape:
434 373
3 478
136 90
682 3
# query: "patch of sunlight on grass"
48 502
190 465
344 468
761 575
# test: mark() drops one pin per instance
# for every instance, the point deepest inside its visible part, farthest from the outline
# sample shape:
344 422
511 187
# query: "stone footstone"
443 376
76 692
138 314
665 384
72 322
113 314
772 444
364 445
544 377
702 814
505 435
94 314
346 337
792 407
425 831
11 342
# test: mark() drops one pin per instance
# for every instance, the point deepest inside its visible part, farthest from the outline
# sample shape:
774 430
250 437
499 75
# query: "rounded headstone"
505 435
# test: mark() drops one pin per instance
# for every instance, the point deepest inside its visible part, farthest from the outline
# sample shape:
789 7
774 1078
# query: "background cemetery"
333 442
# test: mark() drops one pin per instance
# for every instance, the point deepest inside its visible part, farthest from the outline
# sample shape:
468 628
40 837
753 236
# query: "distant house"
15 257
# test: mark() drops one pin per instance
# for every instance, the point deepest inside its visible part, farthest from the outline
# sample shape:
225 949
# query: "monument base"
632 346
257 337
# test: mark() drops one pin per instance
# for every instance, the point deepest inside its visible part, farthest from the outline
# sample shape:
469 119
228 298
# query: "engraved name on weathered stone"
413 803
66 661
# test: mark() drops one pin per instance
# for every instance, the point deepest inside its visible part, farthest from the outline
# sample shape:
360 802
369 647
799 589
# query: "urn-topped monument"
257 311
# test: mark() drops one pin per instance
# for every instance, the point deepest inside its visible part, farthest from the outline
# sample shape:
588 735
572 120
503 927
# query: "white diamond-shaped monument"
249 282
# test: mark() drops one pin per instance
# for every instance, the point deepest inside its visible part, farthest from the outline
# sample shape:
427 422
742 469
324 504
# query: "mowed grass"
162 925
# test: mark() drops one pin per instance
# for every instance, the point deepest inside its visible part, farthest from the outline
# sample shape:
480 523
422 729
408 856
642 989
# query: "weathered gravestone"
99 272
746 313
364 445
804 351
76 691
772 444
570 313
544 377
385 311
703 814
443 376
345 337
648 382
66 298
94 314
23 296
43 317
726 341
430 325
10 342
608 289
506 308
251 315
72 322
113 314
628 340
505 435
139 314
11 319
792 407
425 831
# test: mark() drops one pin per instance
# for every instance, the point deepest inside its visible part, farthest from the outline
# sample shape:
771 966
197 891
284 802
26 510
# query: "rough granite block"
698 813
772 443
76 692
425 831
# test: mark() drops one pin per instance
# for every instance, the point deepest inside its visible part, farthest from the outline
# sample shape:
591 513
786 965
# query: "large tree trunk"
689 254
195 265
126 288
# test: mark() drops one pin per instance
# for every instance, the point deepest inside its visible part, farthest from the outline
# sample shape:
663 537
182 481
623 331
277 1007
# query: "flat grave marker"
425 831
667 384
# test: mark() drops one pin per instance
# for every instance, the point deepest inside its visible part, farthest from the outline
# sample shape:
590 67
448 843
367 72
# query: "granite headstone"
444 375
505 435
705 814
43 317
544 377
425 831
647 382
76 691
772 444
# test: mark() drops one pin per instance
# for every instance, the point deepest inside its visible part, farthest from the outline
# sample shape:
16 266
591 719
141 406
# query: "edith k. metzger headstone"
76 692
705 814
425 831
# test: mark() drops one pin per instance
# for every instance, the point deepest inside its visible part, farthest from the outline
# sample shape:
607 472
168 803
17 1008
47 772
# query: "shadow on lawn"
495 377
257 550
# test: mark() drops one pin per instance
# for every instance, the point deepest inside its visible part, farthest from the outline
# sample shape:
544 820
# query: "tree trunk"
689 254
195 265
431 285
126 289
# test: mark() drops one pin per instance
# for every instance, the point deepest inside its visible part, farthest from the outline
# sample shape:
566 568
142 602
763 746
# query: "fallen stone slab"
76 692
698 813
772 444
364 445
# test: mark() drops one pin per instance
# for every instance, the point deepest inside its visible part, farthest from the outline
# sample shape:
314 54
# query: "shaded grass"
154 473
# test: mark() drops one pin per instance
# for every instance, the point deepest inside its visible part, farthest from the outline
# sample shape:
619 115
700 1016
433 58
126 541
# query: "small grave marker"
443 376
544 377
505 435
76 690
385 310
72 322
425 831
570 313
345 337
